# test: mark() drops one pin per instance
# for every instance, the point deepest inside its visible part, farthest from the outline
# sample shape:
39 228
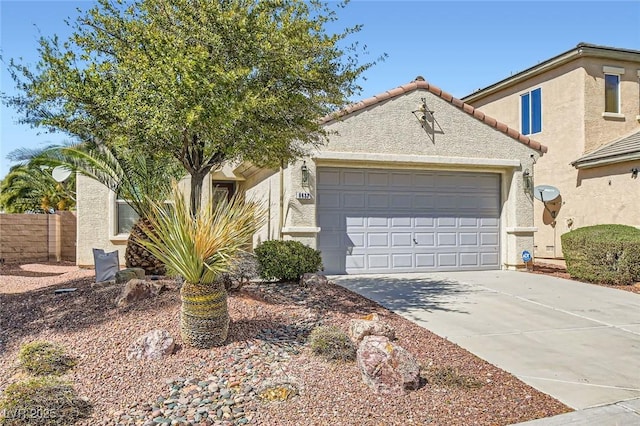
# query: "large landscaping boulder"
136 290
309 279
153 345
128 274
370 325
386 367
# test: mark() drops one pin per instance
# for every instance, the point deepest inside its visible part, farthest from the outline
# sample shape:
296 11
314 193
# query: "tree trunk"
196 191
136 256
204 316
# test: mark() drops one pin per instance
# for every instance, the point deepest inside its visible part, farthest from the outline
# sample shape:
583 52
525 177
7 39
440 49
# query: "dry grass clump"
450 377
332 344
41 401
44 358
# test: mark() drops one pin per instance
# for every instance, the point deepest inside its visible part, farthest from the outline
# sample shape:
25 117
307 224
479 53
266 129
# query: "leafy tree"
139 178
29 188
206 81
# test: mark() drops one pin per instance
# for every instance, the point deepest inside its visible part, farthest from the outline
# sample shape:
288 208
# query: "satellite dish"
60 173
546 193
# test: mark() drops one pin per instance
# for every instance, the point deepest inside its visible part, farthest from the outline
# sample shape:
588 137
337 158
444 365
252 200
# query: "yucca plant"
199 248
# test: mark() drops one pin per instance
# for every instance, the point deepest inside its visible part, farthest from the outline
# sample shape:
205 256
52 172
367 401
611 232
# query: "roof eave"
555 62
605 161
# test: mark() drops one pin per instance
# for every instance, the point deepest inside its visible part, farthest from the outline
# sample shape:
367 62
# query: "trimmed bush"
41 401
607 254
44 358
286 260
332 344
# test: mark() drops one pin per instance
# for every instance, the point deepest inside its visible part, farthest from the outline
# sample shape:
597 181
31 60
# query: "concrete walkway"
577 342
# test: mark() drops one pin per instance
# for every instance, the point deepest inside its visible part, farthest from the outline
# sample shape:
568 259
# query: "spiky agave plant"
200 248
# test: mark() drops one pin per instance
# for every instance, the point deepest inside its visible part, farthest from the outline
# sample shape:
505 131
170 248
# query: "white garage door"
381 221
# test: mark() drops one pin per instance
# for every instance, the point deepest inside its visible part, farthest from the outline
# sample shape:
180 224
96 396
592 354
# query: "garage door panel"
425 239
401 261
401 222
468 239
402 201
378 261
377 240
425 260
447 259
445 239
425 222
353 178
447 222
401 239
355 239
378 221
353 200
378 179
378 201
469 259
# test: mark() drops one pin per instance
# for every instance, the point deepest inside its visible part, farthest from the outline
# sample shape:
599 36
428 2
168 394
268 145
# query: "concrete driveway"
577 342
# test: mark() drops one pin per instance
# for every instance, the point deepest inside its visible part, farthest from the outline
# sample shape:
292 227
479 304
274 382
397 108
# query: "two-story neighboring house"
584 104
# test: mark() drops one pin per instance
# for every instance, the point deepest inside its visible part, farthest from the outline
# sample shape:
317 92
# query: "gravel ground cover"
266 345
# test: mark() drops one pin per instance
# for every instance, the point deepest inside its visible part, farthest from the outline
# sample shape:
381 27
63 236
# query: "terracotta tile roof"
421 84
626 148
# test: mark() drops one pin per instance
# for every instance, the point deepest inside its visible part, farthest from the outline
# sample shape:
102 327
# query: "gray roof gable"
626 148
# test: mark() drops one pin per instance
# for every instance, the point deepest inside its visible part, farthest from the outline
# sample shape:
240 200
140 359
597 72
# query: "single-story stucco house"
411 180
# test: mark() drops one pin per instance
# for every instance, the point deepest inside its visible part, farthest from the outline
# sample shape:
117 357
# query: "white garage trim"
386 220
351 159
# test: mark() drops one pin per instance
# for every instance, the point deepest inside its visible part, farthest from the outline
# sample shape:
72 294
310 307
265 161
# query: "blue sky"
459 46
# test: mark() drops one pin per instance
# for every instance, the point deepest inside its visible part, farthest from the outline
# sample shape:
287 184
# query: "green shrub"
286 260
44 358
608 254
41 401
332 344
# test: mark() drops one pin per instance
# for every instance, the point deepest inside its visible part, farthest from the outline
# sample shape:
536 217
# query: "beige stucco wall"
388 135
95 206
572 125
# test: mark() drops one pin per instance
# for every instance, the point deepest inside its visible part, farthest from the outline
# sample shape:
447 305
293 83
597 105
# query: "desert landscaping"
266 372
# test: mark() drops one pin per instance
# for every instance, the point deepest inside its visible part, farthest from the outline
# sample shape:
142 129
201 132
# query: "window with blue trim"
531 112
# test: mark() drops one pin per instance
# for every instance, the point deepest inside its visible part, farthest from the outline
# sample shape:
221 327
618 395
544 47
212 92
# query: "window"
612 91
531 112
126 217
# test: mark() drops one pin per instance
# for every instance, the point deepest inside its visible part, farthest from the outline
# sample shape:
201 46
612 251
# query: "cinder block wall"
37 237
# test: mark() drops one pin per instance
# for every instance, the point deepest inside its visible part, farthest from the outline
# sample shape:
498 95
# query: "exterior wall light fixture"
527 180
305 174
634 173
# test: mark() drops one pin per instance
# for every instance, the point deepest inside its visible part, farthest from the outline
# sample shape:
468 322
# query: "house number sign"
303 195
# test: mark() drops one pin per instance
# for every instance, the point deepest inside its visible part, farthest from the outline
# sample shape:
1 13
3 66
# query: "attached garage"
387 221
410 180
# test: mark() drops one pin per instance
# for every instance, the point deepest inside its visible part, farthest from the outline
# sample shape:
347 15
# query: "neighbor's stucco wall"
601 130
572 125
386 134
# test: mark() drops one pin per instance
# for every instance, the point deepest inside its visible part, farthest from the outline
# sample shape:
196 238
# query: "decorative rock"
125 275
153 345
369 326
136 290
309 279
387 368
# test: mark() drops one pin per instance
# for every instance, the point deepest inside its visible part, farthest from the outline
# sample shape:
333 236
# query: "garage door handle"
415 242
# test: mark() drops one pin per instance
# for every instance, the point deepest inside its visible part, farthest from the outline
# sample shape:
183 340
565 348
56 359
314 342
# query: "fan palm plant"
30 188
134 176
199 248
